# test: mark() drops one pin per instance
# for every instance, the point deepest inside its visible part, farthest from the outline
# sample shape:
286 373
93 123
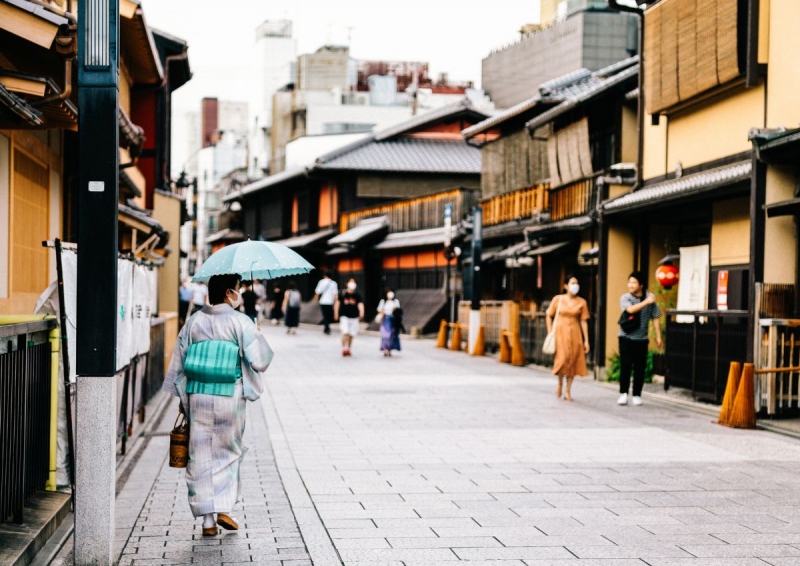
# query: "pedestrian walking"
292 299
216 367
261 292
199 297
325 294
276 305
249 300
390 330
185 293
349 309
639 304
570 314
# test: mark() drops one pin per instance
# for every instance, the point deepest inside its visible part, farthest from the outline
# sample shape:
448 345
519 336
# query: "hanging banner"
693 288
722 290
125 346
140 314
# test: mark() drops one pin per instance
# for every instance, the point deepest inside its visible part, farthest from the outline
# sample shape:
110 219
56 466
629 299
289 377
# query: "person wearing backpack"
325 294
216 367
292 299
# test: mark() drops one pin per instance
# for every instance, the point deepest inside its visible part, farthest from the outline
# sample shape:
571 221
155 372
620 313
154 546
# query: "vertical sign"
722 290
448 224
477 252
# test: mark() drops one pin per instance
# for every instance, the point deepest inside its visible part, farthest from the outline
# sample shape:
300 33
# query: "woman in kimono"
570 314
216 367
390 331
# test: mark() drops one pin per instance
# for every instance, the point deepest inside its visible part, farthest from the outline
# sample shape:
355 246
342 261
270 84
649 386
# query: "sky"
452 37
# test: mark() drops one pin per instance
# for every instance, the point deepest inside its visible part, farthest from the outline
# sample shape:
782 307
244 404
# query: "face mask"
390 296
235 304
351 286
574 288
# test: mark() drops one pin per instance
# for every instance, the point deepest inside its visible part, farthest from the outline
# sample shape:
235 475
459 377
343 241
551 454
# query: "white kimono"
216 423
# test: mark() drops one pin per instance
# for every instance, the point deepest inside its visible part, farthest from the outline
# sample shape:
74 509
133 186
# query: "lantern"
667 275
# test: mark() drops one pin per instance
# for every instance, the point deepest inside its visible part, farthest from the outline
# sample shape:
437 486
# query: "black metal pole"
477 251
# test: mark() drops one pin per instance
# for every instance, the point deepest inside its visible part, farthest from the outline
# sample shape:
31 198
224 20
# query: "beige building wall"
780 264
730 232
630 139
784 71
763 31
620 264
655 149
167 211
715 130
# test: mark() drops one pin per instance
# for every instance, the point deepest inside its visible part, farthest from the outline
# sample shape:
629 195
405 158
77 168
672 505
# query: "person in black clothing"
276 305
349 309
249 300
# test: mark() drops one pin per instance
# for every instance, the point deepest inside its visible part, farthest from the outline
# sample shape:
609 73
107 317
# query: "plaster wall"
655 149
780 265
620 264
630 140
5 227
784 71
715 130
730 232
167 211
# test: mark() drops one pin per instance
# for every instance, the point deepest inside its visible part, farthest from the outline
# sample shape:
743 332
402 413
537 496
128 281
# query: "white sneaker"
623 399
637 400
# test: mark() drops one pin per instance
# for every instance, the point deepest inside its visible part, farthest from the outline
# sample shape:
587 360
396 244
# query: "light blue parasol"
253 260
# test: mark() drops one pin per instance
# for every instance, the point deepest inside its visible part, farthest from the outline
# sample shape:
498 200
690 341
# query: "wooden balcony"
573 199
522 203
417 213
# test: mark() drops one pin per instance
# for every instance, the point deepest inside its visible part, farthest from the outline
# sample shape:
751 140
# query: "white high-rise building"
276 57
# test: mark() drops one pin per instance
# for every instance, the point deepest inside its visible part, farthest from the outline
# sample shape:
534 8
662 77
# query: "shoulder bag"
549 345
630 322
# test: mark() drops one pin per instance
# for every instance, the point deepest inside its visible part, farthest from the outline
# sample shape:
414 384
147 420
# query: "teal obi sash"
213 367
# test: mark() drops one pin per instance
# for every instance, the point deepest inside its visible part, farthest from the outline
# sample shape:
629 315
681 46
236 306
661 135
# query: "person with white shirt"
199 297
325 294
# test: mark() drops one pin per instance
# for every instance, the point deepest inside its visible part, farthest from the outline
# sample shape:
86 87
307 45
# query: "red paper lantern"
667 275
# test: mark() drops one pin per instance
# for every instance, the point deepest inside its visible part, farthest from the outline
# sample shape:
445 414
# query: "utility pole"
477 251
98 187
448 224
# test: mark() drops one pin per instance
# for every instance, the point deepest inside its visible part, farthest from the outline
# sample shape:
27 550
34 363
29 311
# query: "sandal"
227 522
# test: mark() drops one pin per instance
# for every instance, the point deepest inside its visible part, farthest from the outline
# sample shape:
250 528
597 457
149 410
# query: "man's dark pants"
327 317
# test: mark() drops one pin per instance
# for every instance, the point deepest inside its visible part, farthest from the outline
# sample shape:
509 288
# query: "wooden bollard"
455 340
743 414
505 348
517 355
734 375
441 342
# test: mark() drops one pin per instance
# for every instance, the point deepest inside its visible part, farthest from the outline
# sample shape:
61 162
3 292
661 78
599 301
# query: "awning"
544 250
340 250
682 187
267 182
297 242
776 146
363 230
227 234
417 238
512 251
486 255
567 224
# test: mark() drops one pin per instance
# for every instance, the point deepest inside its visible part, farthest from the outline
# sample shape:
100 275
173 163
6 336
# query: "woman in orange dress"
572 335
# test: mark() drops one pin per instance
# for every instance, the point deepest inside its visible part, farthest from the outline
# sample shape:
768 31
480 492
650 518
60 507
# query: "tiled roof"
363 229
575 223
425 118
407 154
682 186
417 238
266 182
585 90
577 86
39 11
226 234
307 239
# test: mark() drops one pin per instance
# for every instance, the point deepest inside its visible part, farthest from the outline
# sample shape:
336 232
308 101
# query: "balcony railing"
573 199
415 214
25 414
523 203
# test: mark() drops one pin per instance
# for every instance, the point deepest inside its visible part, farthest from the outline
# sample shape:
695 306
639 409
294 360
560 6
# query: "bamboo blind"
569 151
691 46
492 168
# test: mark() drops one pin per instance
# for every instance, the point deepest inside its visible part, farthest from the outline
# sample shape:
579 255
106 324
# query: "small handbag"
549 345
629 322
179 443
379 318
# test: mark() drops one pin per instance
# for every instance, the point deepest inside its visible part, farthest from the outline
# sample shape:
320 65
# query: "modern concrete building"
573 35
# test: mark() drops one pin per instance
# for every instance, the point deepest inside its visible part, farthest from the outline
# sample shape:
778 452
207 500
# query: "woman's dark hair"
218 286
640 277
387 291
291 284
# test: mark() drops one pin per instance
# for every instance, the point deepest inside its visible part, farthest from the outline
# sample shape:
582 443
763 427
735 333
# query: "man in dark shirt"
349 309
249 300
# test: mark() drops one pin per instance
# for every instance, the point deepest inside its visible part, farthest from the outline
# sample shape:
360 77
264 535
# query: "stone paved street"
435 457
